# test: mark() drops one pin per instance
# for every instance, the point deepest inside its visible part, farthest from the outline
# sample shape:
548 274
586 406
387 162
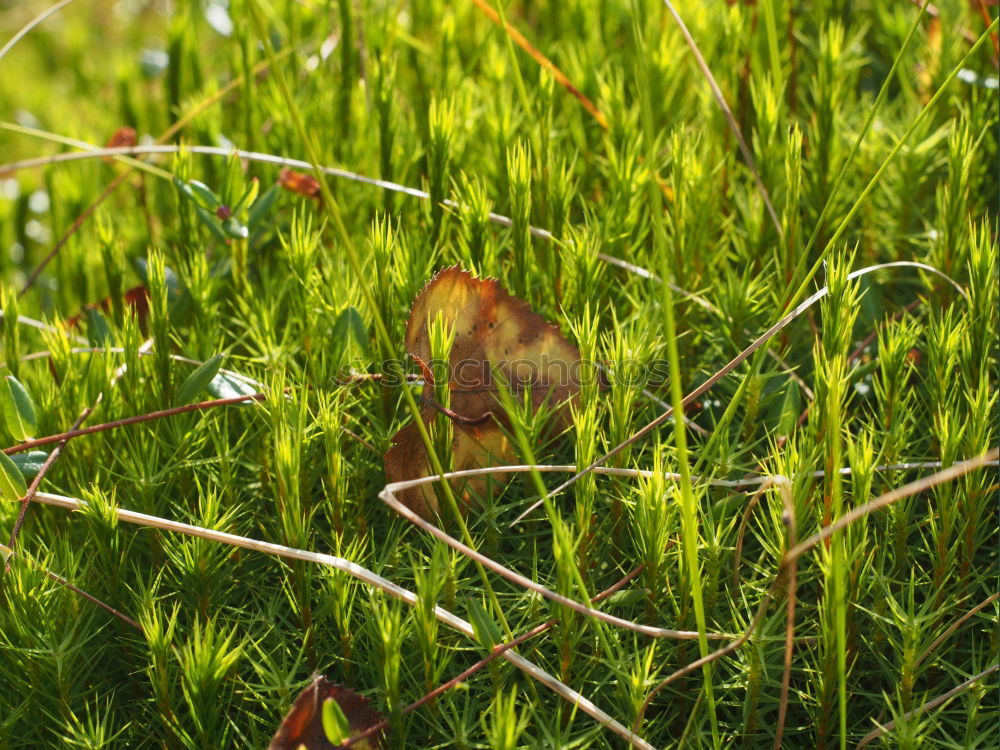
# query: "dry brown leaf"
124 136
498 339
297 182
135 300
303 724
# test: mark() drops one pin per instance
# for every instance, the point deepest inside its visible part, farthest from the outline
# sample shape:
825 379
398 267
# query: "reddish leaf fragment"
136 300
300 183
124 136
303 724
498 340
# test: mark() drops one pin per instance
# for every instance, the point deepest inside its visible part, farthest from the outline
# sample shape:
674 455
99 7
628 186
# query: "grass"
872 132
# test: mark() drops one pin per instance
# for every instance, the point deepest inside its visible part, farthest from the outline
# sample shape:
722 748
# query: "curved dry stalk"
33 487
929 705
115 183
46 354
368 577
765 483
728 113
704 303
388 496
26 321
732 365
26 29
961 468
789 517
51 459
955 626
521 41
497 651
6 553
94 152
738 552
147 417
78 222
708 658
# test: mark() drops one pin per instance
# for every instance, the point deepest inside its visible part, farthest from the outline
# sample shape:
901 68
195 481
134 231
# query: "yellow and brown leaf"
499 342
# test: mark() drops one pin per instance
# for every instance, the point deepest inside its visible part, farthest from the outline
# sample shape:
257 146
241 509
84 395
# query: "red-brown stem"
793 573
33 487
856 354
955 626
29 444
77 223
455 416
497 651
91 598
988 20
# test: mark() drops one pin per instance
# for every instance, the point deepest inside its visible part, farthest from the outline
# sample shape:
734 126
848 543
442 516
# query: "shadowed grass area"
576 152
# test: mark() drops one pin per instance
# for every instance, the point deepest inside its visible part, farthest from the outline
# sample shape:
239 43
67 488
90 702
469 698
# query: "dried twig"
497 651
929 705
366 576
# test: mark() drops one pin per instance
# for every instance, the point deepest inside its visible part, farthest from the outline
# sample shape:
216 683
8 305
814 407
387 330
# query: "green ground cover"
870 134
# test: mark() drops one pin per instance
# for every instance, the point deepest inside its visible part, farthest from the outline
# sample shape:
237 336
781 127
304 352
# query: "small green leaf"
248 197
29 463
485 629
209 220
18 409
199 379
98 331
235 229
262 206
205 194
629 598
184 189
225 386
12 486
350 325
335 724
790 409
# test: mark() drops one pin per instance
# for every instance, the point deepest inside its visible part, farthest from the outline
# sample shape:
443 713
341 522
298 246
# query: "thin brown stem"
519 39
119 179
882 501
33 487
981 7
763 339
497 651
74 227
793 578
929 705
728 113
73 433
93 599
455 416
955 626
738 552
717 654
